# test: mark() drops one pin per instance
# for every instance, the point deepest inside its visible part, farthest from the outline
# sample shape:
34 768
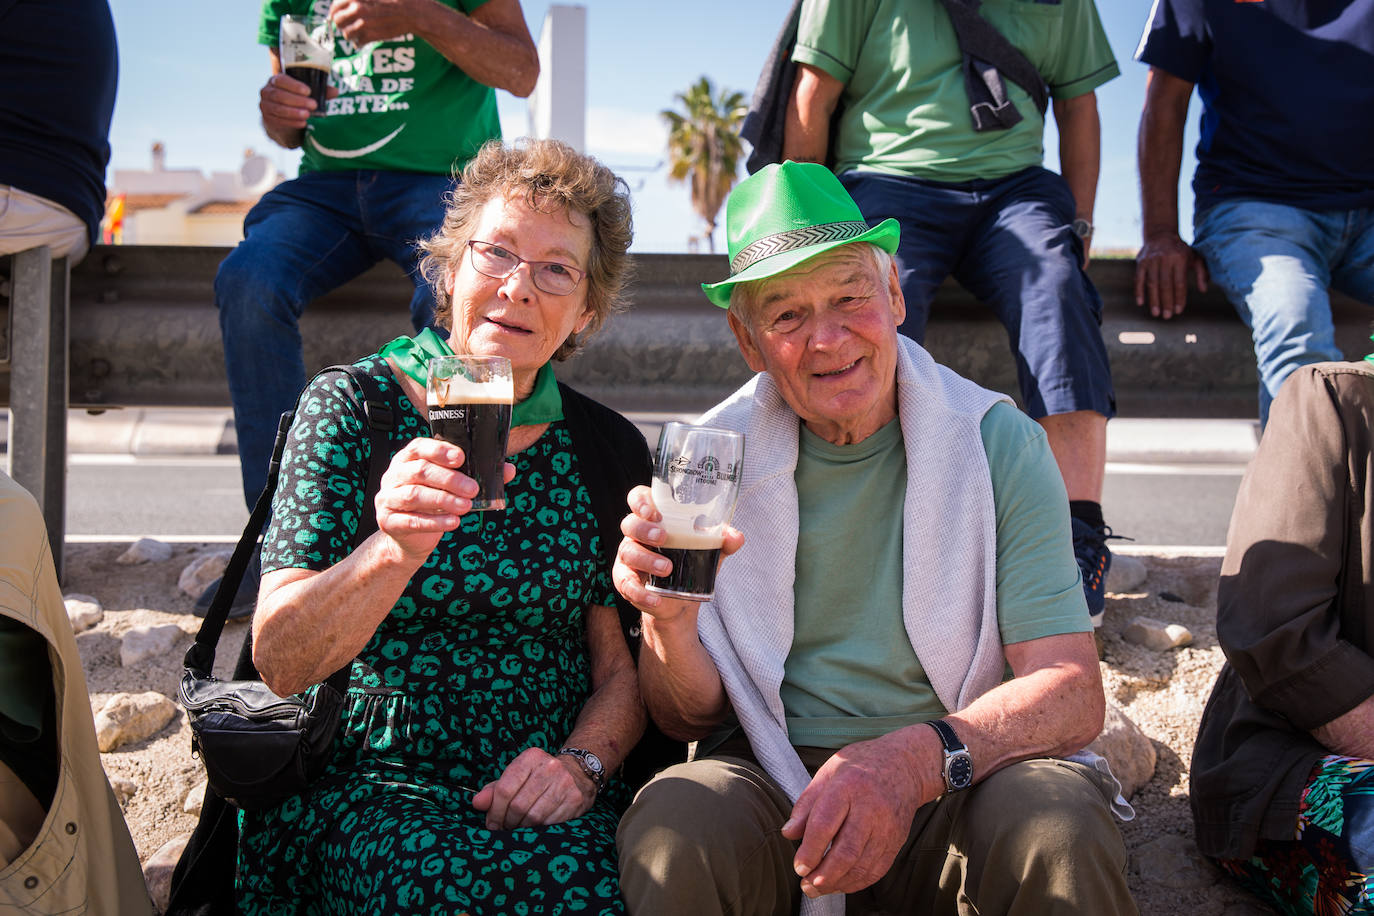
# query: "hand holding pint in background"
307 54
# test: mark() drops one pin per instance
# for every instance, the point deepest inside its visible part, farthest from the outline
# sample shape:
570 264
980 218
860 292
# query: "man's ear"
753 356
894 291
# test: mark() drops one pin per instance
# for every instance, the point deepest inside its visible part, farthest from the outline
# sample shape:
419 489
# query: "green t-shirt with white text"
402 106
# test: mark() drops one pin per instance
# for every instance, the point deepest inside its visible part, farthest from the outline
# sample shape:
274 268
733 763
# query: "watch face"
960 771
594 762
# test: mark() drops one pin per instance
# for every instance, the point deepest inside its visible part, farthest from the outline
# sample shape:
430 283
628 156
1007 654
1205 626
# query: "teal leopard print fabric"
482 657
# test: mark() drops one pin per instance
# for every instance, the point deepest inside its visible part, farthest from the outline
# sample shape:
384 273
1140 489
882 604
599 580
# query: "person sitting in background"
416 100
59 65
1284 188
1282 782
64 846
494 697
898 652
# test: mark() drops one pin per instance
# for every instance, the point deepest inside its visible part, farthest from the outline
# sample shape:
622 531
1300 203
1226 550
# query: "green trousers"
1036 837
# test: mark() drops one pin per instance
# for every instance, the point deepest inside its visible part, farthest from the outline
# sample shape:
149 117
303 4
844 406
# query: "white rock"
1157 635
1131 754
195 798
145 550
83 611
1126 575
129 717
124 788
201 571
157 871
142 643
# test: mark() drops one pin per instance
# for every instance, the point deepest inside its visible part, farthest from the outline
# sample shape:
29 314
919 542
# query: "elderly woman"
493 695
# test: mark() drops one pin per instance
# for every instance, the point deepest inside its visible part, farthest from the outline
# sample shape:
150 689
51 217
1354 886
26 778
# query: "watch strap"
597 776
948 737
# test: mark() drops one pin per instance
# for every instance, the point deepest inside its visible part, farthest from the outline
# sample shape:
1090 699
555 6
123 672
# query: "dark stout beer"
476 418
694 556
317 78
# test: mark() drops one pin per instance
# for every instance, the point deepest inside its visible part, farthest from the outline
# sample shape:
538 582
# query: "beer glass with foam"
696 482
306 46
469 400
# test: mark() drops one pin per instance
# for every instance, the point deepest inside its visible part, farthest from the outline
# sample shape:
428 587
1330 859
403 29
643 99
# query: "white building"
165 206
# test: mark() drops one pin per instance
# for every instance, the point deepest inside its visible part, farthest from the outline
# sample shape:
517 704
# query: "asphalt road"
199 498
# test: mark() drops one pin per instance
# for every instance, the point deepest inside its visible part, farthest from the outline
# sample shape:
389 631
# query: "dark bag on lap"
258 748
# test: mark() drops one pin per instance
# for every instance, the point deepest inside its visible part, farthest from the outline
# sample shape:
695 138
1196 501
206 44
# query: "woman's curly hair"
551 176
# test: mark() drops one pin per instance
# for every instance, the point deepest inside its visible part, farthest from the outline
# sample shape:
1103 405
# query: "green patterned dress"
482 657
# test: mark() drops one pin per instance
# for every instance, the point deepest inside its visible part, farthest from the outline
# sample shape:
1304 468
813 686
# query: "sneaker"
1094 561
244 601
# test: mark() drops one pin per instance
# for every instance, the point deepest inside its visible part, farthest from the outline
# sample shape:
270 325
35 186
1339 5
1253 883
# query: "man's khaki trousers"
1034 838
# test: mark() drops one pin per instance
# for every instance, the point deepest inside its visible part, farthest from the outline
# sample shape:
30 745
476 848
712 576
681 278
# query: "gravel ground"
1163 693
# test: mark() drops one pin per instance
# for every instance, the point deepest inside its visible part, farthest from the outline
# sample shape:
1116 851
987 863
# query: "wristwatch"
591 765
958 763
1082 228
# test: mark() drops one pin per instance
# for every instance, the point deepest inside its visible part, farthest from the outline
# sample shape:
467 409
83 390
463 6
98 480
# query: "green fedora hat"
784 214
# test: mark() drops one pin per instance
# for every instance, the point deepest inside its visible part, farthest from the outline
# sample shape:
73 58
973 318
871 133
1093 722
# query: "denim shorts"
1008 241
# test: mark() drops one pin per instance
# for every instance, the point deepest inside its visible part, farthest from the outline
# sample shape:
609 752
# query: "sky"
196 91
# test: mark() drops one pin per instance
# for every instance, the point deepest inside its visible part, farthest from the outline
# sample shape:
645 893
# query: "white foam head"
458 390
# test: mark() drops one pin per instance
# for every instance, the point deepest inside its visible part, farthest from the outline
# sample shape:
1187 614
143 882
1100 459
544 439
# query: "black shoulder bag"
260 748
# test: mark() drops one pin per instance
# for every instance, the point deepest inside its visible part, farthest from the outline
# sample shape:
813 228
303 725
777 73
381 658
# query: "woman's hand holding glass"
637 559
423 495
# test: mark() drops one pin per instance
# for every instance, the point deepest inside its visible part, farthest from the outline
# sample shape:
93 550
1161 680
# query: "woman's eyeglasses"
499 263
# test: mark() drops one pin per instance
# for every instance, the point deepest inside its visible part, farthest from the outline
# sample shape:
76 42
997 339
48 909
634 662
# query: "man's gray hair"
743 296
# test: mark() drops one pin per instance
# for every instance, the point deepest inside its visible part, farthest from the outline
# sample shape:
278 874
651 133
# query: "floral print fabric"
1327 868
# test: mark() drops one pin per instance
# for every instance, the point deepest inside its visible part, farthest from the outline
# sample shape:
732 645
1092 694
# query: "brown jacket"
83 860
1295 609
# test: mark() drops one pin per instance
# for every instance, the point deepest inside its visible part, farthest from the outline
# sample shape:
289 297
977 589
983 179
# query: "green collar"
412 356
545 403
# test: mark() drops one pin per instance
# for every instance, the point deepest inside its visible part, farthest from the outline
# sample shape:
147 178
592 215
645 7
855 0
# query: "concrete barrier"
144 332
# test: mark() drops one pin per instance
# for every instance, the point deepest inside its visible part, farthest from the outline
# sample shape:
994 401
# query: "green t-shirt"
852 673
402 106
906 111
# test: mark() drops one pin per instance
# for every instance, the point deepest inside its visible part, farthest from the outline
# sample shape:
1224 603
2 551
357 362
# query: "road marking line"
1176 470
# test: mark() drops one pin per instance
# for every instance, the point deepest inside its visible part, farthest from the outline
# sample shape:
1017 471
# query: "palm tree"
704 147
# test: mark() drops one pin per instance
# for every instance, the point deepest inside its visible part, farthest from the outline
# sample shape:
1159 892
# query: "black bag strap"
380 421
988 56
203 880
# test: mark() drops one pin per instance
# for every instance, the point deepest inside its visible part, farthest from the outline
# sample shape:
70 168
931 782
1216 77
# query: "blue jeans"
304 238
1275 263
1008 241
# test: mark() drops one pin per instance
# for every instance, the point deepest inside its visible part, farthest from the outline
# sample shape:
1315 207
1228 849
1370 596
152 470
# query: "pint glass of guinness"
696 481
307 52
469 400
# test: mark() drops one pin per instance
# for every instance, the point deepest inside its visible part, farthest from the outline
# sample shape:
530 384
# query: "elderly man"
898 652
